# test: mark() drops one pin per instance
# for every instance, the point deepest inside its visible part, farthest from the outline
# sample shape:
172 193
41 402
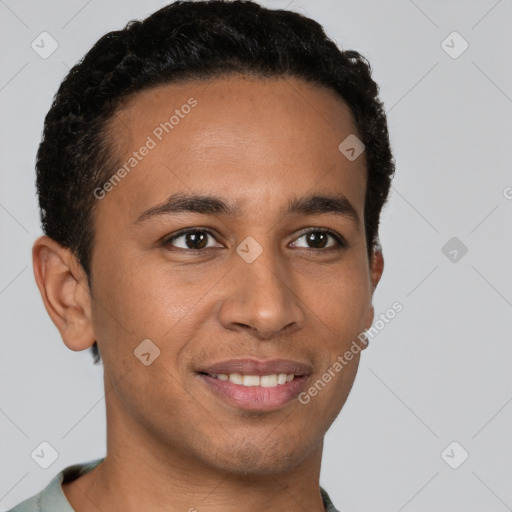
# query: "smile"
264 381
255 385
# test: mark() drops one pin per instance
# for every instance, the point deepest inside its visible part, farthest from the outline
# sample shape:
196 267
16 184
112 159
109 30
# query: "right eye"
191 240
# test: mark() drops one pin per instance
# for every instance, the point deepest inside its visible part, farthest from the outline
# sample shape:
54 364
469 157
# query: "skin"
172 444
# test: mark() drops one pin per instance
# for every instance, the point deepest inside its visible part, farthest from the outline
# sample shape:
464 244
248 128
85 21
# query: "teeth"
251 380
268 381
236 378
265 381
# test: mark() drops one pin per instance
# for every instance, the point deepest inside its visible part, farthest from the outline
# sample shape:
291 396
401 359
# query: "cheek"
328 391
342 302
134 301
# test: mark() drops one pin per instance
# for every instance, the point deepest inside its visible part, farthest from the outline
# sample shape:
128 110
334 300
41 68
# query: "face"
250 280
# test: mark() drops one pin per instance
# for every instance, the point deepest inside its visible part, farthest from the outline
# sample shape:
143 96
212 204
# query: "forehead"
257 137
237 98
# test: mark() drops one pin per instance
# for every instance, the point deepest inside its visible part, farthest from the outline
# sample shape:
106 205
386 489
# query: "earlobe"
63 285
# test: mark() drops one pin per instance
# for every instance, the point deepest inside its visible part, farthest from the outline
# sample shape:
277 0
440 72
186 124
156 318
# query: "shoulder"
36 503
328 505
30 505
52 498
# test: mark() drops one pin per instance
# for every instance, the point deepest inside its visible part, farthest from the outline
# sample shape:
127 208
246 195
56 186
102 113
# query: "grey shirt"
53 499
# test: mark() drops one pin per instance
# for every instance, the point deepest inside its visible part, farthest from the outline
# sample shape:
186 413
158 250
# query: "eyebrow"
211 205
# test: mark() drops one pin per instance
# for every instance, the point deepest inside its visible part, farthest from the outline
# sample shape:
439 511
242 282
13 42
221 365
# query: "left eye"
319 237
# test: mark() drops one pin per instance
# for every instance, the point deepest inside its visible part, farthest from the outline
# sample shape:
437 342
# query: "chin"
263 457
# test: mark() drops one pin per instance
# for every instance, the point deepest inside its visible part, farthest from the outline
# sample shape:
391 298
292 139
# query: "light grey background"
438 373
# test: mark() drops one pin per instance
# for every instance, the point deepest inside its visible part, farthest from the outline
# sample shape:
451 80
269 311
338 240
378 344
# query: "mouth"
265 381
256 385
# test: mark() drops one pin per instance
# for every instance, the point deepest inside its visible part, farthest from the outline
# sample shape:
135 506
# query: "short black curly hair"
191 40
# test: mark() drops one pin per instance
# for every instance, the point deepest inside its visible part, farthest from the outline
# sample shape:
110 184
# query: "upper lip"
257 367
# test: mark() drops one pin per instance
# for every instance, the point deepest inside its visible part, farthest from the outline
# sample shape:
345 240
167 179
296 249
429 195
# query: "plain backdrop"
438 373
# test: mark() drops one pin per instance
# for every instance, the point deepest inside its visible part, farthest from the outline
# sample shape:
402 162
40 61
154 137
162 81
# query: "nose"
261 298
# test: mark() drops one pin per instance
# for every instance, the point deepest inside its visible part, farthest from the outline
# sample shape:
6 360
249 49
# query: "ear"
376 270
64 289
376 266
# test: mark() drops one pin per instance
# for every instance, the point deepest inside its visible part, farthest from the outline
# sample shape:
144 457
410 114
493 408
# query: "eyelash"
341 242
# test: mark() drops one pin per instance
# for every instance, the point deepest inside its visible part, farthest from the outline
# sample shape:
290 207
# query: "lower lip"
256 398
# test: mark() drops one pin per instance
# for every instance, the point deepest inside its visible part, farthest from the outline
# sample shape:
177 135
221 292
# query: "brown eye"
319 239
193 239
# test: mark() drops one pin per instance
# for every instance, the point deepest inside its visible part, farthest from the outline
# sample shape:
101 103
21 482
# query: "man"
210 182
